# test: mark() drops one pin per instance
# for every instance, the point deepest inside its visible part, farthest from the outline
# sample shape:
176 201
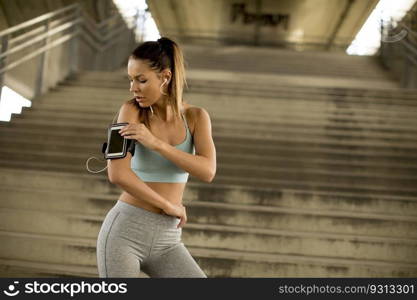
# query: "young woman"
173 139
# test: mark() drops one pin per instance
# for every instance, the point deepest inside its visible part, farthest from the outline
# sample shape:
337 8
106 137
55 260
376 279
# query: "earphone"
166 79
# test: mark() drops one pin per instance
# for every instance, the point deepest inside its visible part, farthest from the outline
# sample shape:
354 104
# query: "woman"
173 139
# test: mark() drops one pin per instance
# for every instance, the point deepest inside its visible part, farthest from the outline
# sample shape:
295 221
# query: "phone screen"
116 142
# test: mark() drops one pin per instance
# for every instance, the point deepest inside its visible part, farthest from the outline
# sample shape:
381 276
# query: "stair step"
15 268
287 119
279 155
332 201
215 262
289 134
295 160
275 127
384 187
122 84
217 105
268 82
229 237
313 200
359 223
66 96
356 179
237 144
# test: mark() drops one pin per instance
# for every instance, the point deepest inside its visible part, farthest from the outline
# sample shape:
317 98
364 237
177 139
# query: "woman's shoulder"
193 109
192 113
129 110
131 104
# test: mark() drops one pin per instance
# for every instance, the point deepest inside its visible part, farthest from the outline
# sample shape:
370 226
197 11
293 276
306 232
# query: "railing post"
75 43
100 57
381 44
106 58
42 64
3 61
118 48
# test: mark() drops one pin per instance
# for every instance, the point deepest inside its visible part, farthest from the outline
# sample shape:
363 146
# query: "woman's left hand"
140 133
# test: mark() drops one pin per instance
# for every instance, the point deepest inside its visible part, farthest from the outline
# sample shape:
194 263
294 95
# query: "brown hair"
162 54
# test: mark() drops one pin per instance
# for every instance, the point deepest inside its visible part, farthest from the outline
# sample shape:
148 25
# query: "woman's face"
144 82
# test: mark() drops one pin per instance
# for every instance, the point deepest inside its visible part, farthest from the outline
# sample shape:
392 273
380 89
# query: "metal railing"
398 49
82 45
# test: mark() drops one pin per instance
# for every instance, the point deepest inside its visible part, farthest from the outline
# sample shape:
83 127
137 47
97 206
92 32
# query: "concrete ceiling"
298 24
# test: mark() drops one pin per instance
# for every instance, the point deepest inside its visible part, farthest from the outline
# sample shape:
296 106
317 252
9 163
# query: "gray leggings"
133 239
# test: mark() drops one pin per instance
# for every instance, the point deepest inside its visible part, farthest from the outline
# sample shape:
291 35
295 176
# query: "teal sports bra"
150 166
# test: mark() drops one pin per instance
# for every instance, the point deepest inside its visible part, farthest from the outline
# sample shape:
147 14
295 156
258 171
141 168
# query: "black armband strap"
131 146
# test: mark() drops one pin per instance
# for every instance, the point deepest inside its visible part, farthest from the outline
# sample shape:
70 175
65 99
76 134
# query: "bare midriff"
172 192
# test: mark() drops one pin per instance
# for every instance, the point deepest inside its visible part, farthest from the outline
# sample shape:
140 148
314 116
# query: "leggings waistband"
149 216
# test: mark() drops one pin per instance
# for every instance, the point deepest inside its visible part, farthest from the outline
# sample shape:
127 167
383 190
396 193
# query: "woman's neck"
164 113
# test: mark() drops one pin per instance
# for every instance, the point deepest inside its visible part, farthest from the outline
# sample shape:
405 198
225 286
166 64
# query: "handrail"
92 32
98 36
410 47
37 52
409 30
38 19
40 28
40 37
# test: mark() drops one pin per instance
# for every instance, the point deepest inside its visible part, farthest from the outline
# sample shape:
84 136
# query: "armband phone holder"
117 146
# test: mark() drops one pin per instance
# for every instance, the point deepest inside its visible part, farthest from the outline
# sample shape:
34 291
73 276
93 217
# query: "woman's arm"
120 173
203 164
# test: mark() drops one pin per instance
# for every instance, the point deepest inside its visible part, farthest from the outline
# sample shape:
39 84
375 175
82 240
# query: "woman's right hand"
177 211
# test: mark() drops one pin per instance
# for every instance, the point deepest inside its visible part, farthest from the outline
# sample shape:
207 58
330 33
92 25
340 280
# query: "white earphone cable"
88 169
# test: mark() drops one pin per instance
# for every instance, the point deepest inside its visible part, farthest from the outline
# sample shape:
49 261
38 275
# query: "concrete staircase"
316 174
321 68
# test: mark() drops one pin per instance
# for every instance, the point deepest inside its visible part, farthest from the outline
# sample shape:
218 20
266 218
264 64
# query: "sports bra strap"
185 121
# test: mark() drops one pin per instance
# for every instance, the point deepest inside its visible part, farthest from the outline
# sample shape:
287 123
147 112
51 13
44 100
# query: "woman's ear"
167 75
